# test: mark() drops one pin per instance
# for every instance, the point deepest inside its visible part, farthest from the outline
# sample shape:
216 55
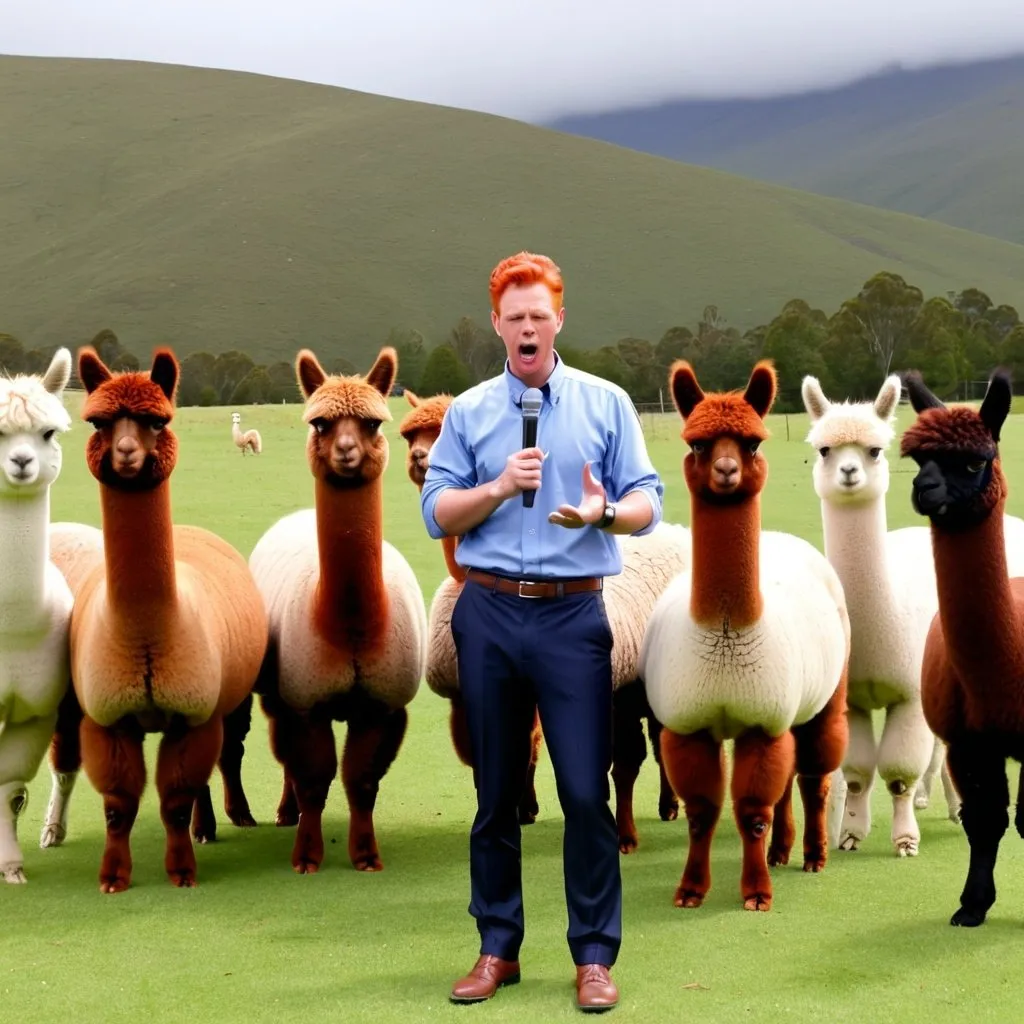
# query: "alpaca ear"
760 393
384 370
58 373
814 398
92 371
888 397
164 372
309 372
921 397
686 392
996 405
412 399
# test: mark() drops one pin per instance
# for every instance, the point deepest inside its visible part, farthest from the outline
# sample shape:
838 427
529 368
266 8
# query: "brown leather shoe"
595 990
489 973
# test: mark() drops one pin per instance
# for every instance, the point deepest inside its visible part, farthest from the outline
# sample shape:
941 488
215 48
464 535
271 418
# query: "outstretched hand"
588 511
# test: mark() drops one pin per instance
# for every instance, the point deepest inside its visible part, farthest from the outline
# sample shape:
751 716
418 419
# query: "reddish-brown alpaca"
751 644
972 676
168 629
420 429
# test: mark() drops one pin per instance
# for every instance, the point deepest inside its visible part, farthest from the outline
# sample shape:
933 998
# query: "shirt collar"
550 388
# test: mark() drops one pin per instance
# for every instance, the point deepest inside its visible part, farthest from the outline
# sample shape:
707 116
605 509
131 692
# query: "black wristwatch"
607 519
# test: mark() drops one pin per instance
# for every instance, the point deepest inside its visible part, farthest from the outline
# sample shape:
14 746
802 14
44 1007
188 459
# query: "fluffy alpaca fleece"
888 579
972 675
168 630
245 440
35 600
750 642
348 622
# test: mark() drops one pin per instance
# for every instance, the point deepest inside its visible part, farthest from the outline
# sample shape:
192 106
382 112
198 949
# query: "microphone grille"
532 400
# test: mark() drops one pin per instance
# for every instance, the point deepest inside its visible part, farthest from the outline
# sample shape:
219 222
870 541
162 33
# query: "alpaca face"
724 432
236 418
346 446
421 428
131 447
32 418
959 481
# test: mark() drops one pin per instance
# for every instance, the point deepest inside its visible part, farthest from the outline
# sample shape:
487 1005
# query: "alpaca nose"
726 471
419 456
21 460
848 471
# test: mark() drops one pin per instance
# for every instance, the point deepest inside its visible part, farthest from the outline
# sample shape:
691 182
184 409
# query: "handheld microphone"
531 402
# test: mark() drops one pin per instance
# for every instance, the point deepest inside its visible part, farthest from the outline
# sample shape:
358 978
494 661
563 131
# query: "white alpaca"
889 581
246 440
35 600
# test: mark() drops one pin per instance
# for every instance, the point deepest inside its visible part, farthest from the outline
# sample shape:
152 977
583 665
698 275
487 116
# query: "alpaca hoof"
759 901
920 802
628 843
112 885
814 864
688 899
954 816
306 867
528 815
906 846
668 812
52 835
13 874
965 918
849 841
183 878
286 819
368 862
244 820
777 857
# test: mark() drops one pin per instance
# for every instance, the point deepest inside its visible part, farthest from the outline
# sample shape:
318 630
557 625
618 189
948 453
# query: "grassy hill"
944 142
215 210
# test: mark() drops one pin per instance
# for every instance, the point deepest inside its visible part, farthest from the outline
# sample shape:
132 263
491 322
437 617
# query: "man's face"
527 322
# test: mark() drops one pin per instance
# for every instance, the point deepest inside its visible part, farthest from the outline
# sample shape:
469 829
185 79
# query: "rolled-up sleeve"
450 464
630 467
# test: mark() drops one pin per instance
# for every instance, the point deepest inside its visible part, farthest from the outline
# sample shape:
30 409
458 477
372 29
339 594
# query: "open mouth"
528 352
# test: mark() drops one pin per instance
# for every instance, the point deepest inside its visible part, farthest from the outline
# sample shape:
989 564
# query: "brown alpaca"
972 677
347 619
167 633
751 643
420 428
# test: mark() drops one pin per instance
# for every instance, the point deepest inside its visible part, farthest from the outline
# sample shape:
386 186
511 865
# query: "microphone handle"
529 440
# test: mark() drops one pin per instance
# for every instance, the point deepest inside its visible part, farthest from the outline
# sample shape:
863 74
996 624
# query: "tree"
255 387
107 345
229 369
973 303
444 372
195 376
124 361
12 355
412 356
481 352
936 346
284 386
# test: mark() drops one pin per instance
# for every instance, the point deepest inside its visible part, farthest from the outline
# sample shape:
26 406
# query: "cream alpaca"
347 619
888 578
248 440
35 600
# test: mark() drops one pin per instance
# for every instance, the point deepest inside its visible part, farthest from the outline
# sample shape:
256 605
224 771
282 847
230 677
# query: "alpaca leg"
113 761
459 729
668 802
304 744
528 806
288 806
978 769
820 746
65 764
695 766
22 749
923 793
236 804
762 767
628 752
859 773
374 737
184 765
783 827
836 809
903 754
949 790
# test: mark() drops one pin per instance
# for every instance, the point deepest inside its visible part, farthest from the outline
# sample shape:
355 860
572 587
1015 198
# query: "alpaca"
972 675
348 623
35 600
246 441
168 630
648 563
889 582
751 643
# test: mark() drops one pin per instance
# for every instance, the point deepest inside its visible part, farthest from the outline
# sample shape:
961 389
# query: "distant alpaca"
248 441
972 677
35 601
751 643
648 563
889 582
167 633
347 620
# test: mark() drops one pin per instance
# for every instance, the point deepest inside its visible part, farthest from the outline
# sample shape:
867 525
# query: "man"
529 627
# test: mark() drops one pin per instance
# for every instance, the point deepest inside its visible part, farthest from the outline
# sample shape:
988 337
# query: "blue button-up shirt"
582 419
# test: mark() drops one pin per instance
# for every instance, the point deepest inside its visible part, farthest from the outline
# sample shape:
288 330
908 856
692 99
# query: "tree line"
887 326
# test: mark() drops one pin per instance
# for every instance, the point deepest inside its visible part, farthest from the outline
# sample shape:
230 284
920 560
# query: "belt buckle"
527 583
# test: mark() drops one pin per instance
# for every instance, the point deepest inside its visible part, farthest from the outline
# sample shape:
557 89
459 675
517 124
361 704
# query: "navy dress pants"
516 654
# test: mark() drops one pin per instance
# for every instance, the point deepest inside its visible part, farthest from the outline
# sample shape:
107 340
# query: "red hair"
526 268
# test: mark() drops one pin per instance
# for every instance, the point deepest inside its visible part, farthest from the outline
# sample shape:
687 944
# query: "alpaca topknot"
956 429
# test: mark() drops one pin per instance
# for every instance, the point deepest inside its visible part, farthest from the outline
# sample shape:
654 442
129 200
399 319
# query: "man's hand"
590 508
521 473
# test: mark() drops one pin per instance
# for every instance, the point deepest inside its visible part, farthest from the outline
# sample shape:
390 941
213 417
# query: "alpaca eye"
753 446
874 452
319 425
823 452
48 436
976 467
156 424
373 426
99 424
697 447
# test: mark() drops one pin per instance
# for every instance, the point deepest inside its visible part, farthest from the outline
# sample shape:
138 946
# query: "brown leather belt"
535 588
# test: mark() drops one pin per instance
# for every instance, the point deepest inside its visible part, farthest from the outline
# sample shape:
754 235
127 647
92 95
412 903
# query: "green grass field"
867 940
216 210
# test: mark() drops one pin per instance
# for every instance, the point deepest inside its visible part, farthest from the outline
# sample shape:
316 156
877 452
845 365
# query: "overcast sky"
526 58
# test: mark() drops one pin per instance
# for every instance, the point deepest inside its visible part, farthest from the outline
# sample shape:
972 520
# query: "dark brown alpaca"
972 677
